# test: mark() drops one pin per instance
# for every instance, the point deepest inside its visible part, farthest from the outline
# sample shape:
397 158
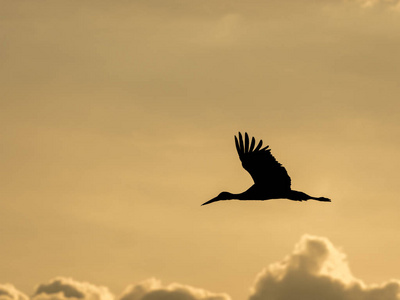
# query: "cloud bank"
315 269
62 288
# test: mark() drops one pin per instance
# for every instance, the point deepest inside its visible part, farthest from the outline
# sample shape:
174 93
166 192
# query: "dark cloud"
317 270
152 289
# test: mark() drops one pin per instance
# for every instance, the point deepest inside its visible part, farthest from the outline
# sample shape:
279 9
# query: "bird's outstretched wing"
262 166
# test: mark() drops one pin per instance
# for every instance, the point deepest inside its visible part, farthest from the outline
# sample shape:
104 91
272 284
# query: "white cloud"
152 289
317 270
62 288
9 292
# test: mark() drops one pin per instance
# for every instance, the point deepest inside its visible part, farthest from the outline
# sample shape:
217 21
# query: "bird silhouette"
271 180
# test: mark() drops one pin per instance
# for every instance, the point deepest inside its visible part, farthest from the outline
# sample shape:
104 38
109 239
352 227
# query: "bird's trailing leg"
300 196
321 199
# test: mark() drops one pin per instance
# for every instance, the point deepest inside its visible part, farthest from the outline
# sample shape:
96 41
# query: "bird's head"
221 196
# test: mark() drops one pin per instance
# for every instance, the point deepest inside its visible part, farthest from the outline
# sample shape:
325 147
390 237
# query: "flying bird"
271 180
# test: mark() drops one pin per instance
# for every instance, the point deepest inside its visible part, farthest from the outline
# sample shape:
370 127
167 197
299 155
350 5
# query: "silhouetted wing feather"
253 143
261 164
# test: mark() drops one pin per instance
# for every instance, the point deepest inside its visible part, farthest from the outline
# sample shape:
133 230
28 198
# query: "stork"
271 180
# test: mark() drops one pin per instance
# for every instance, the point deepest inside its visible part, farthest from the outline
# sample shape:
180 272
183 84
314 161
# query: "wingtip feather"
246 142
260 143
253 142
241 142
237 145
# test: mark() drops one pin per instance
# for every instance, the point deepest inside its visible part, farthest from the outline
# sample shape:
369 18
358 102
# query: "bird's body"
271 181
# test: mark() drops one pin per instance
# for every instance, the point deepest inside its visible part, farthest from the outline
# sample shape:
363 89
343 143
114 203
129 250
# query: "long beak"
211 201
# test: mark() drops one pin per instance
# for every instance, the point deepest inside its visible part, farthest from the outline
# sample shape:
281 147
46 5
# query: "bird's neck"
232 196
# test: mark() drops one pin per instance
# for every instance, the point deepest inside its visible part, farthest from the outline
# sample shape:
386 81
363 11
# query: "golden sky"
117 121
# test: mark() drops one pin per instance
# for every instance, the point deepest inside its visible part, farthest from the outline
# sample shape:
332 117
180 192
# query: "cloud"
152 289
62 288
317 270
380 3
9 292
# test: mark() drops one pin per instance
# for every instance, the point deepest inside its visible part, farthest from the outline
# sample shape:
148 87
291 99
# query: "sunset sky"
117 121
